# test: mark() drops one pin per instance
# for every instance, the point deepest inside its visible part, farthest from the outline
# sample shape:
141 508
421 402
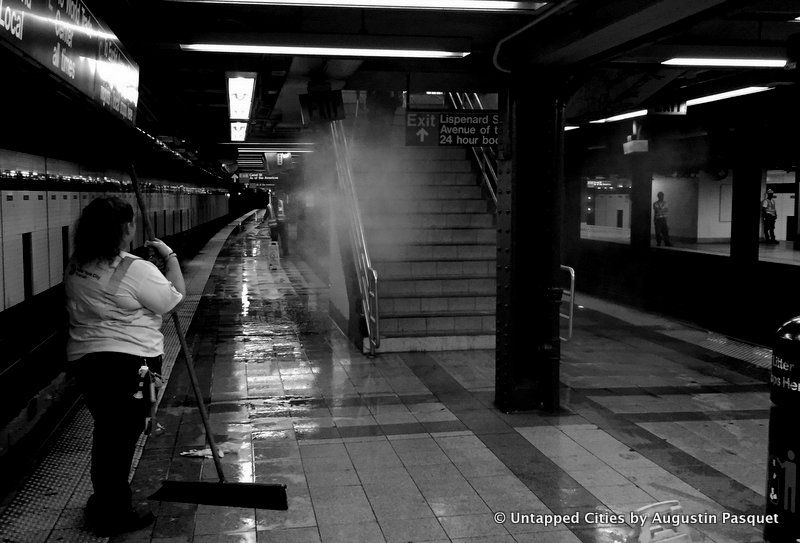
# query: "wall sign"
452 128
64 37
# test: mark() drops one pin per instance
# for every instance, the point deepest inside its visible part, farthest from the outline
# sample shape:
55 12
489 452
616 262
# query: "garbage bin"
784 440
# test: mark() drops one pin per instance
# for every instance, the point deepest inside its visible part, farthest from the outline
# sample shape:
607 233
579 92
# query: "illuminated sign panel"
64 37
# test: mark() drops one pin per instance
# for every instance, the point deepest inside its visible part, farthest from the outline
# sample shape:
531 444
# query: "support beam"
641 198
529 248
631 28
746 199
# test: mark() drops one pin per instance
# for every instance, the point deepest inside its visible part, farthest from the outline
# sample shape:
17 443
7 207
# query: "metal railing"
485 157
568 297
367 276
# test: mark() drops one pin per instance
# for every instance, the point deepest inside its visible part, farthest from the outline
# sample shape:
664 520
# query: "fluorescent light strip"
238 131
570 127
240 97
725 95
455 5
621 117
321 51
727 62
278 151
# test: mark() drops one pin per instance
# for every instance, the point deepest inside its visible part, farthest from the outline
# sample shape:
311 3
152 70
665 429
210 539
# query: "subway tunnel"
456 270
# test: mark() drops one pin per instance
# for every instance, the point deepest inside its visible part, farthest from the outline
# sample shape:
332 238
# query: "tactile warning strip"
38 507
48 507
753 354
756 355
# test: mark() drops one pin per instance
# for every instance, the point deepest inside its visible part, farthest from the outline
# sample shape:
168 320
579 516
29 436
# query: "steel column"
641 196
530 193
746 197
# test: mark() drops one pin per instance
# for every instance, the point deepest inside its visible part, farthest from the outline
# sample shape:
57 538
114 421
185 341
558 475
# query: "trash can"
784 440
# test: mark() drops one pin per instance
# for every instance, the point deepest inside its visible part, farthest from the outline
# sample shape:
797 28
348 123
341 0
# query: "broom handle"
148 228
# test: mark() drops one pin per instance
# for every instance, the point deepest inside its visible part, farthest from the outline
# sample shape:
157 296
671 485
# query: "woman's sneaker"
105 525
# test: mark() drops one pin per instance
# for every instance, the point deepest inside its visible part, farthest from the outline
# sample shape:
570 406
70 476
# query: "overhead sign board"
321 106
64 37
452 128
677 108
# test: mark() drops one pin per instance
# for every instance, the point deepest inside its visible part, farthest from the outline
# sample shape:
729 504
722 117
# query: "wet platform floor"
408 447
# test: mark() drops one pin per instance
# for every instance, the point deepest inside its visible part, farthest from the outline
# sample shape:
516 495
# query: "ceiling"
605 55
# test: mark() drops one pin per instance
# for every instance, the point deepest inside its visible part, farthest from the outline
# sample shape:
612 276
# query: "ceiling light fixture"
570 127
238 131
320 51
725 95
727 62
274 150
240 95
621 117
452 5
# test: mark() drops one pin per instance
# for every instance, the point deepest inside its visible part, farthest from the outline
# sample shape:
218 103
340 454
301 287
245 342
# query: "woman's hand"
161 248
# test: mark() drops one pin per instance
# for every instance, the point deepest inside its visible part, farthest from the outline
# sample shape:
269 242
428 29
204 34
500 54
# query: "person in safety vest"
660 213
272 219
280 216
115 302
768 216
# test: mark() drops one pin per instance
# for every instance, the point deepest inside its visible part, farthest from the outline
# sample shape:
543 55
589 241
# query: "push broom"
222 492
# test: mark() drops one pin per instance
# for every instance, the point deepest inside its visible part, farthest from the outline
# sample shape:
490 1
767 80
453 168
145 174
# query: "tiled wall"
43 214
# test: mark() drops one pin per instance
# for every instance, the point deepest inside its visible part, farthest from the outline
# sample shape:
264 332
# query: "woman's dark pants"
109 382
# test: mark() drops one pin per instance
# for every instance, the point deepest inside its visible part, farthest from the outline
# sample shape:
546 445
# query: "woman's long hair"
101 229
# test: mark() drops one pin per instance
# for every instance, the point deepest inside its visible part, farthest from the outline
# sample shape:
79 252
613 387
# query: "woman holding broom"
115 302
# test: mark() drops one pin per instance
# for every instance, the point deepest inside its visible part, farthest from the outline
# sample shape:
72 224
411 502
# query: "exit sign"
452 128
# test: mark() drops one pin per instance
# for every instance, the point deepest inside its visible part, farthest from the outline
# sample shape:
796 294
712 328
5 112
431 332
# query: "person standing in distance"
115 303
660 213
768 216
283 230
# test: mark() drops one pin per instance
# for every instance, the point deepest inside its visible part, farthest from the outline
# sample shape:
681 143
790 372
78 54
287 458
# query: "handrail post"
571 308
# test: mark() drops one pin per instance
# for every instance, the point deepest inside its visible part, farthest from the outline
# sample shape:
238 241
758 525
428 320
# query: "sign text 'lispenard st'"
452 128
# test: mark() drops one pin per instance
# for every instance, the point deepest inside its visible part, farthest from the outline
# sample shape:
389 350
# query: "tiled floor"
408 447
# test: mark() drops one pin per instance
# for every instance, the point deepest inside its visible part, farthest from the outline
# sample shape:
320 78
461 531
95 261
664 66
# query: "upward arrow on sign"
421 133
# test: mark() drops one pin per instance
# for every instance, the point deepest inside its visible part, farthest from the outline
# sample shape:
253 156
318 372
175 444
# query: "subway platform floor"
409 447
782 252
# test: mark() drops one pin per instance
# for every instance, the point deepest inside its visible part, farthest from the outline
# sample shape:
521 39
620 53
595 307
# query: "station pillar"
530 187
746 197
793 54
573 209
639 166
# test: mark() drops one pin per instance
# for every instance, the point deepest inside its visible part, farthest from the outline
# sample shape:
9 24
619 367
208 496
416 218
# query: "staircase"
431 237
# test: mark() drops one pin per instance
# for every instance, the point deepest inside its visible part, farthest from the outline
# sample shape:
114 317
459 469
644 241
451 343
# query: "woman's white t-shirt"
125 318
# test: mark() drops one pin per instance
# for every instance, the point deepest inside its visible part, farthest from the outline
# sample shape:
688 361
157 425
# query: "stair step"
436 343
385 178
422 205
471 286
430 220
421 192
414 165
407 236
421 252
432 314
436 304
438 326
438 269
415 153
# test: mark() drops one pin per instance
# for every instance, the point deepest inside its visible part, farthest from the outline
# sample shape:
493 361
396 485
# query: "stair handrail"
568 297
484 157
367 275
